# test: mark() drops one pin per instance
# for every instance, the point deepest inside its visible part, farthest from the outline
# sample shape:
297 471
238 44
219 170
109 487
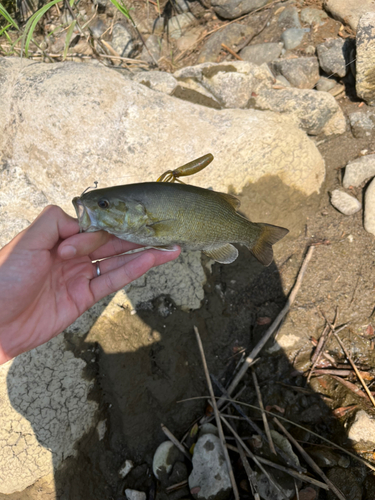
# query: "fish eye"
103 203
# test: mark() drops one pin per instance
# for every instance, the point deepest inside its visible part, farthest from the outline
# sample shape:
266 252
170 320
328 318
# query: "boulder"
93 124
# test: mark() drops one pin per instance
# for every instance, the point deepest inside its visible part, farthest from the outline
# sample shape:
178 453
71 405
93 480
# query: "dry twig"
217 415
252 456
175 441
264 416
357 372
249 471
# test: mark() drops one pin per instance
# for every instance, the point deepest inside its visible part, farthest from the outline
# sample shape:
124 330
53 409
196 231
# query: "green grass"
13 33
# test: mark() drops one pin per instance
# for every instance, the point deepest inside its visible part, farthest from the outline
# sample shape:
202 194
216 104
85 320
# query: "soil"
147 363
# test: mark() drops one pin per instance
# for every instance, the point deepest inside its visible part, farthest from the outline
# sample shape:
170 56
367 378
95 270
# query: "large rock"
317 112
44 412
92 124
349 11
365 64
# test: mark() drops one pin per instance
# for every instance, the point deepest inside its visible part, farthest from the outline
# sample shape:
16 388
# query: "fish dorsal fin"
224 255
232 200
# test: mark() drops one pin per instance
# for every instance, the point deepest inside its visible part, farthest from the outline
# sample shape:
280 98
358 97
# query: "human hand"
47 278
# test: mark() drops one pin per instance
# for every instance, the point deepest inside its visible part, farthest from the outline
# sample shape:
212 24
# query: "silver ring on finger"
98 273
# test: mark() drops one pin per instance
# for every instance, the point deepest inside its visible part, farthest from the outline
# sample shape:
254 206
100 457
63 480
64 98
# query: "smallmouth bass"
161 215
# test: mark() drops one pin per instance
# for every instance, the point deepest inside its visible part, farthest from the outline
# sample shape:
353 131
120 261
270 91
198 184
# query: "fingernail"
68 252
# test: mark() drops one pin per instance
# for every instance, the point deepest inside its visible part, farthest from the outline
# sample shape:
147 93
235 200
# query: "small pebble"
345 203
135 495
325 84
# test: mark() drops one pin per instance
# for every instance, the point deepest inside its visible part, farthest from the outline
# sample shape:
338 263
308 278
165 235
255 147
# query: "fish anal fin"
232 200
225 254
262 249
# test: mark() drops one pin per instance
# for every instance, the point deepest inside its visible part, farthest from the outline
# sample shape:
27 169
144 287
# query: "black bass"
160 214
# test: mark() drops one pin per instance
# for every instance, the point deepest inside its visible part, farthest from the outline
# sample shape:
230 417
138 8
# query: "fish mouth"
86 218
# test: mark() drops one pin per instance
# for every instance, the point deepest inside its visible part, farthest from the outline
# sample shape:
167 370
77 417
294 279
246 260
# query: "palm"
44 290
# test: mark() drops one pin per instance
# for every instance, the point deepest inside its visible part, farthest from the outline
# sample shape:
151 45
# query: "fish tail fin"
262 248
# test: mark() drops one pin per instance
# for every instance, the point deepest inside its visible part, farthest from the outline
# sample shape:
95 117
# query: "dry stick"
355 368
253 457
322 347
217 415
275 324
335 332
319 436
175 441
264 416
249 471
291 472
231 52
176 486
310 461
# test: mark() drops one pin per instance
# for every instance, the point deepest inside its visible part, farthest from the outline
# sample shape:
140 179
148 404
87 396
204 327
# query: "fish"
162 215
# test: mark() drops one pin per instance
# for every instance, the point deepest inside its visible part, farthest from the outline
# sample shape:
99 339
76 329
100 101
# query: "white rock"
116 131
369 220
345 203
164 458
44 412
349 11
157 80
357 171
126 468
134 494
362 430
209 478
365 63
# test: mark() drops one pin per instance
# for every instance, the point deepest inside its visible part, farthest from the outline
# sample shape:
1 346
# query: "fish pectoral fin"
224 255
162 227
166 248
